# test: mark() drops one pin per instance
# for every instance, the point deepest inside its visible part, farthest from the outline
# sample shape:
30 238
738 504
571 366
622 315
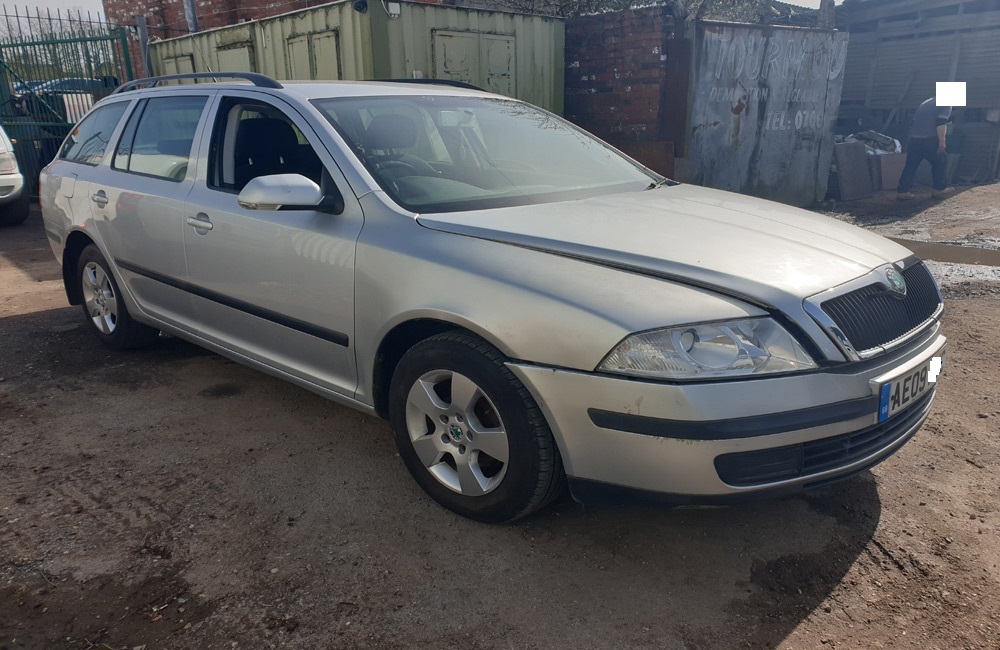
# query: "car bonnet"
767 252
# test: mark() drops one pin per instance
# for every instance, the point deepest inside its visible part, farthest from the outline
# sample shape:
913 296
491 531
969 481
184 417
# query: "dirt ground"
168 498
970 217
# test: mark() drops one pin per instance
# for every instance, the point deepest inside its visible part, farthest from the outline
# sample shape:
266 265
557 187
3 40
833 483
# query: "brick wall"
165 18
615 70
626 82
168 15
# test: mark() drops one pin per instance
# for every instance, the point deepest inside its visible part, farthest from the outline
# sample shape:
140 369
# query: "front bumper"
11 186
717 441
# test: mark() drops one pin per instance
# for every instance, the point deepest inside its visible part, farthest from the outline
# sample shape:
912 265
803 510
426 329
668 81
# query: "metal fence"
53 68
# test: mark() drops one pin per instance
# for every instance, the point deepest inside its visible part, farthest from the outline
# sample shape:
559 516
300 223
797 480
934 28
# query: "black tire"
17 212
533 474
123 332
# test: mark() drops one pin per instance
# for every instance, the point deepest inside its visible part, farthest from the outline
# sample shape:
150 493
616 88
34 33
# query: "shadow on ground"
26 248
277 514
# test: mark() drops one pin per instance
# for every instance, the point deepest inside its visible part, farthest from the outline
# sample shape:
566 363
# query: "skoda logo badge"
896 282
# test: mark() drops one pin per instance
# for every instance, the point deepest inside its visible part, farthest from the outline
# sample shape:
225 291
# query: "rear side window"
159 136
87 142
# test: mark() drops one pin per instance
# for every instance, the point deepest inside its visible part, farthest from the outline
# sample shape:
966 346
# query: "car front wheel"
103 306
470 433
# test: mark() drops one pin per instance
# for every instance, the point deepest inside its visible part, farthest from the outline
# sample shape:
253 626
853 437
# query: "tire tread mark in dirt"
887 553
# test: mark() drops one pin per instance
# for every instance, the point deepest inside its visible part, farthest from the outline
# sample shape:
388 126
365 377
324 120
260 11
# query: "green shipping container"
517 55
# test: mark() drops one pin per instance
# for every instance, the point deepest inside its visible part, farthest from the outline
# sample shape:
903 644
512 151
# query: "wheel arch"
75 243
403 336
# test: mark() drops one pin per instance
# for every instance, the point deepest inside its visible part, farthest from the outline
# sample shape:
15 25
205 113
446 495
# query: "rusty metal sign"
763 108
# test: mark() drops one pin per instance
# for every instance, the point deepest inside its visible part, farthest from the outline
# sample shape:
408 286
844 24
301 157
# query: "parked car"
68 98
14 200
524 304
76 85
26 86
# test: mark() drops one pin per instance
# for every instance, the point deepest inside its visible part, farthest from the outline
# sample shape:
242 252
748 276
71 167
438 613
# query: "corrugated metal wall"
979 144
979 66
513 54
896 81
860 59
763 109
947 48
895 62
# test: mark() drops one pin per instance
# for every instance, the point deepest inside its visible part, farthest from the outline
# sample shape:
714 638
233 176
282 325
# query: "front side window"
159 136
445 153
254 139
88 141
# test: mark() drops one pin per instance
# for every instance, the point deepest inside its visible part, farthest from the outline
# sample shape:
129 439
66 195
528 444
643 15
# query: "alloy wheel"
100 299
457 432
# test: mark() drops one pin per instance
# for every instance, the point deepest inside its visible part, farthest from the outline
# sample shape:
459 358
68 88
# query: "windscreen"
441 154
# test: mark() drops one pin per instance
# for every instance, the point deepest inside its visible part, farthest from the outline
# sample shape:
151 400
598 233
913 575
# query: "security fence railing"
53 68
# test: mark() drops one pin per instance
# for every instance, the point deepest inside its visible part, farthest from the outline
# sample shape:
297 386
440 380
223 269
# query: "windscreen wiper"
660 183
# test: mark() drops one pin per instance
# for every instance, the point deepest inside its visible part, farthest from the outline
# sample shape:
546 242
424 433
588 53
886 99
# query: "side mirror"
281 191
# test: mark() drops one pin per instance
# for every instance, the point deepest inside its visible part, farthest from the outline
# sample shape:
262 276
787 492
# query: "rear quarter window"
89 140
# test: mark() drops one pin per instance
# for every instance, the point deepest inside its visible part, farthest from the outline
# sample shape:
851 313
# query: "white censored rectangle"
950 93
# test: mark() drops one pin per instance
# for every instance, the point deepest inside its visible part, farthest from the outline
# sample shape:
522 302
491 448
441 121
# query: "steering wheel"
386 165
422 166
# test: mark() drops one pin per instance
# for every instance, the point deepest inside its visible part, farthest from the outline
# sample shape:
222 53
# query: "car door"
274 286
67 177
138 196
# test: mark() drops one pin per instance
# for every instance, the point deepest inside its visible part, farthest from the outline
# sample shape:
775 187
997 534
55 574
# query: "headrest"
266 133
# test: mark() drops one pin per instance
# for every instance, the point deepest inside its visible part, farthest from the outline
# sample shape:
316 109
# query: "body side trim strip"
333 336
749 427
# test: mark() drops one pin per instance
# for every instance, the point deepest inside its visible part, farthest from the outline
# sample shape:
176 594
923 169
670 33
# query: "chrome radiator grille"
873 316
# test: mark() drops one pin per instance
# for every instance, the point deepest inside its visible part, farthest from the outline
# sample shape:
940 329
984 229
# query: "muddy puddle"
951 253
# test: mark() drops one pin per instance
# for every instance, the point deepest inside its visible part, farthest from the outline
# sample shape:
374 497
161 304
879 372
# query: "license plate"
904 390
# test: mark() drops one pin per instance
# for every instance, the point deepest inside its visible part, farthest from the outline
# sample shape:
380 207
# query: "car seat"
388 134
264 146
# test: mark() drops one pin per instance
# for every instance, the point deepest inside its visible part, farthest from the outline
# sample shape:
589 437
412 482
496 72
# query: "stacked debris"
876 144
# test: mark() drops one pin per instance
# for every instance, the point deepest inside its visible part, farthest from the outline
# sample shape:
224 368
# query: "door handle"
200 224
100 198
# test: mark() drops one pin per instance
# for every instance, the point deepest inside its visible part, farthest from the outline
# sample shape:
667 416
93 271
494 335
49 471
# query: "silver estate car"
524 304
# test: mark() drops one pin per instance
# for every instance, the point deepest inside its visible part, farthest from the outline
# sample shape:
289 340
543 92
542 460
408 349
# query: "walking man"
927 141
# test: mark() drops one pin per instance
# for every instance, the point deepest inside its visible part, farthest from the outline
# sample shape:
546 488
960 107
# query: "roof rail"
263 81
435 82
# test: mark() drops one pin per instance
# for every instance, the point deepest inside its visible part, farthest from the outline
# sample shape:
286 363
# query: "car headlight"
8 163
752 346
